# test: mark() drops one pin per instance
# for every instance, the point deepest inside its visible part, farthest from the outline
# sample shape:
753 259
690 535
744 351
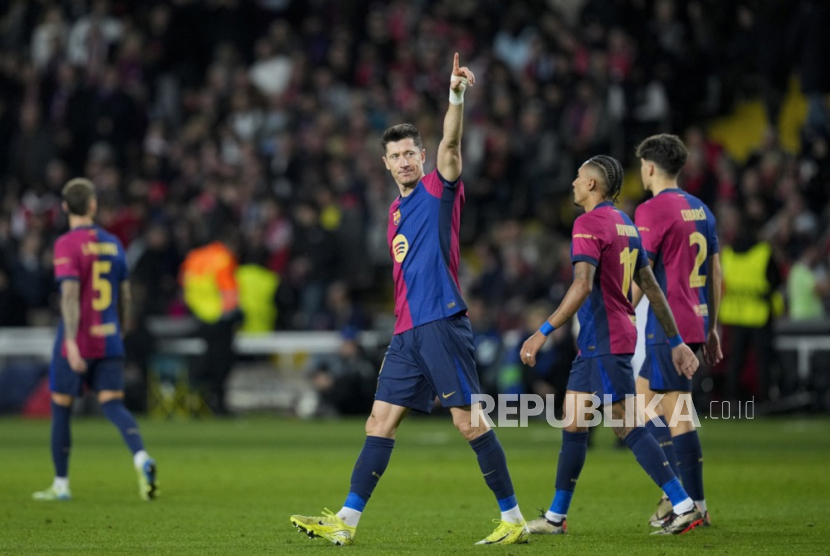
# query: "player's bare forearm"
576 295
449 150
574 298
70 308
125 304
715 289
645 279
636 292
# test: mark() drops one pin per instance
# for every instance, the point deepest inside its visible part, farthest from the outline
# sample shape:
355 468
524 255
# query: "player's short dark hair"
666 151
611 169
400 132
77 194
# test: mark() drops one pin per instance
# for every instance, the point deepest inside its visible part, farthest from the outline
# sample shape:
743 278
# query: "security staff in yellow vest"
257 296
750 281
211 292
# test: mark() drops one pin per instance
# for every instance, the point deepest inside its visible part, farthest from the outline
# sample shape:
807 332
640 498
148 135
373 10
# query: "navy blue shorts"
434 359
659 370
101 374
601 375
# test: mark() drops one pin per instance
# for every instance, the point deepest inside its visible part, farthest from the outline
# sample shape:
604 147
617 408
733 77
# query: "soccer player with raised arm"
607 256
679 237
431 352
91 268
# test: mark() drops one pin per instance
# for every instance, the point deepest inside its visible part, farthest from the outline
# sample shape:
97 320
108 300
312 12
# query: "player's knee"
622 432
682 426
105 396
467 428
63 400
572 427
383 428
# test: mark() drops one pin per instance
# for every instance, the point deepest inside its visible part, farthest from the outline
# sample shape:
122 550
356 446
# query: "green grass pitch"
228 487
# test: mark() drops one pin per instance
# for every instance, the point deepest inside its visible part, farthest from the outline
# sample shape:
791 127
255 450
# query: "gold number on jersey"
696 279
101 286
628 259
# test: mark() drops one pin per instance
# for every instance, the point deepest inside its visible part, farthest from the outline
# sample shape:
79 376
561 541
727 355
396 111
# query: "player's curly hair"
400 132
611 168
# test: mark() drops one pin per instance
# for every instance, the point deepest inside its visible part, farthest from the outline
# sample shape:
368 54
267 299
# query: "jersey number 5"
101 286
628 258
696 279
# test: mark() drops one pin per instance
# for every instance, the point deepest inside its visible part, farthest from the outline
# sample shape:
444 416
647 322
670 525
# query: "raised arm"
574 298
71 314
449 150
682 356
712 353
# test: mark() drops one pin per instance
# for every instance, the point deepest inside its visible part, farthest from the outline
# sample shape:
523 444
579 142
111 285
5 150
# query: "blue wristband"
546 328
675 341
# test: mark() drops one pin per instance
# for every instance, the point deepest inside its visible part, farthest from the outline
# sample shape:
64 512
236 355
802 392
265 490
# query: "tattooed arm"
125 304
684 359
71 314
577 294
636 292
645 280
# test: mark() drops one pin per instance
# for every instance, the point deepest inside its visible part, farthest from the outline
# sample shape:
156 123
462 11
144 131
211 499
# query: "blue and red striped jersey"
607 239
423 241
95 258
679 236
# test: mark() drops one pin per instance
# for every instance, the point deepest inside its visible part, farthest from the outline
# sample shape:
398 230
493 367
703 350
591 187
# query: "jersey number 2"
102 286
696 279
628 258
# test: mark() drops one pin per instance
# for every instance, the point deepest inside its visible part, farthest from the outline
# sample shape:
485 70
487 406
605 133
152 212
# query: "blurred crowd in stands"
258 122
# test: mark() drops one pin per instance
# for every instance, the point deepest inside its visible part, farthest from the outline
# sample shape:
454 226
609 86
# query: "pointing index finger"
455 64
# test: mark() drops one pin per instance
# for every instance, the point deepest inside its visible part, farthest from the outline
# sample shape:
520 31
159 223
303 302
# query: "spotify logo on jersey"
400 246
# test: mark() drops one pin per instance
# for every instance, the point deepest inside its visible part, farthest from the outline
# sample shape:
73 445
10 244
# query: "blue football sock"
571 460
493 466
663 437
370 466
650 457
675 492
61 439
691 463
115 411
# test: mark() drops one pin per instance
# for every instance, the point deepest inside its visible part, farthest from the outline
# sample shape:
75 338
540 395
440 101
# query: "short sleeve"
121 262
65 261
714 247
585 244
642 259
649 233
435 183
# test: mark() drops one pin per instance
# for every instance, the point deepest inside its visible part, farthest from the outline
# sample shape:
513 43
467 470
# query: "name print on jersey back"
96 260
